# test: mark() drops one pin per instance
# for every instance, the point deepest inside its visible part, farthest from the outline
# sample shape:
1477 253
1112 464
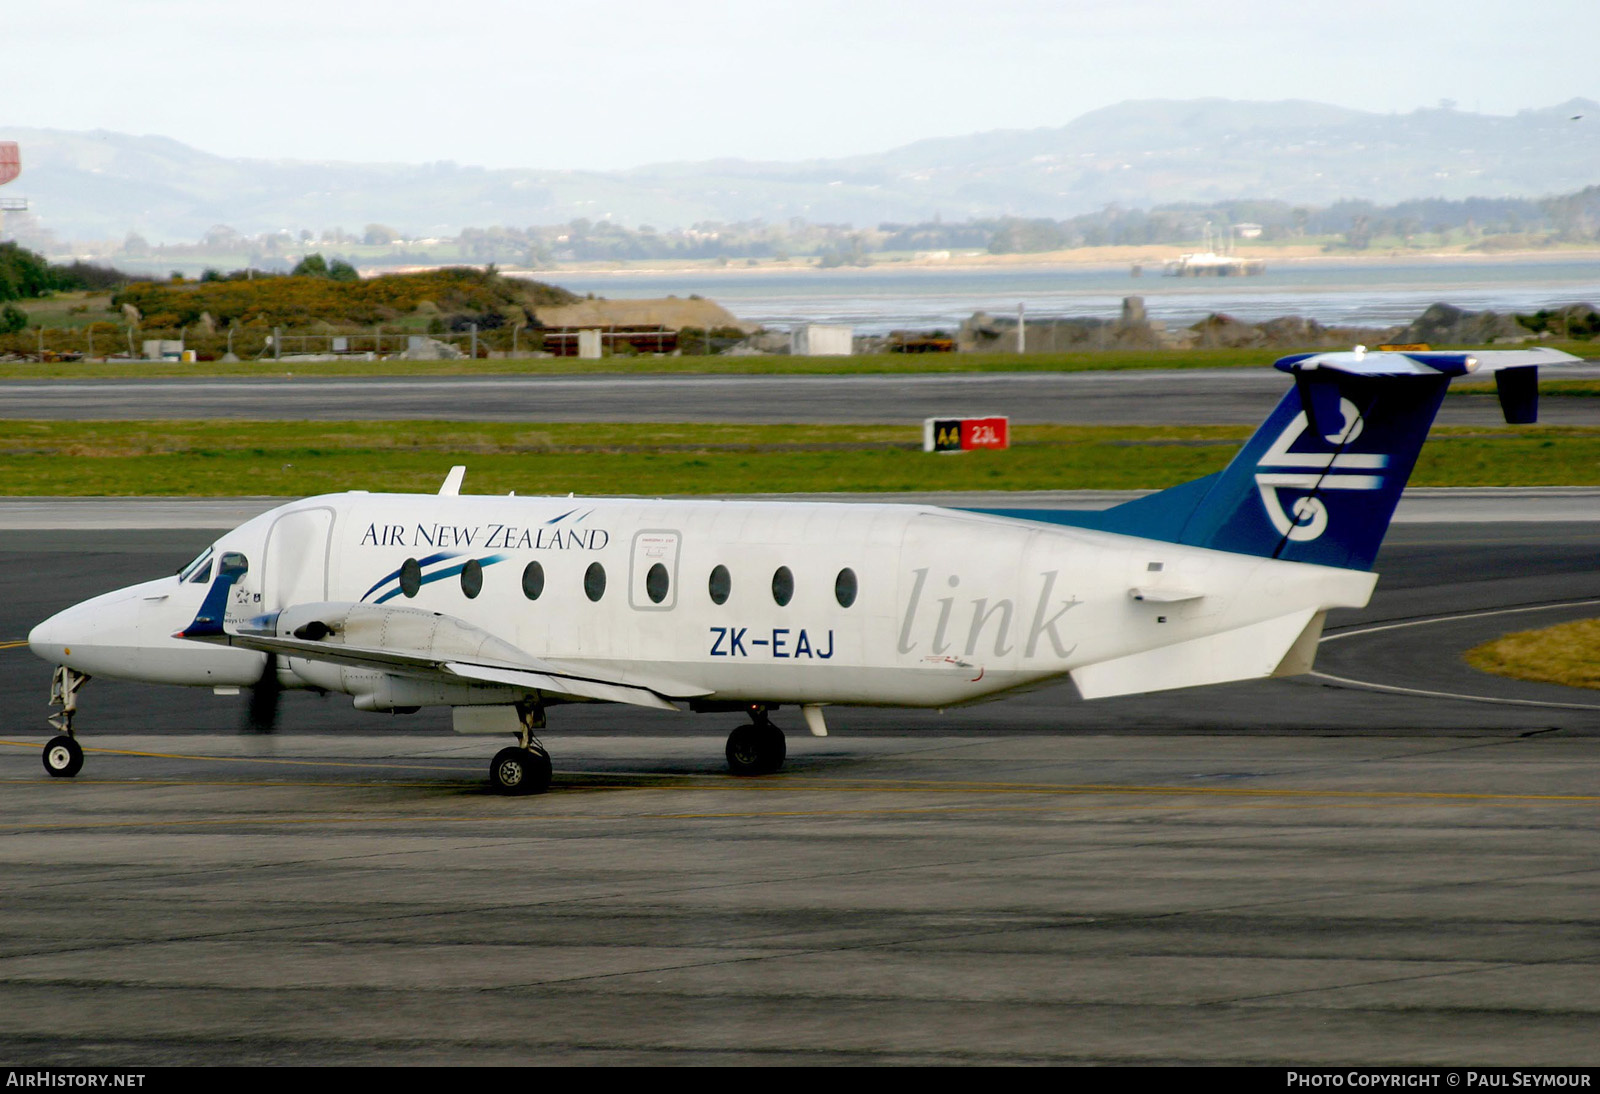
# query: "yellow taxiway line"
812 784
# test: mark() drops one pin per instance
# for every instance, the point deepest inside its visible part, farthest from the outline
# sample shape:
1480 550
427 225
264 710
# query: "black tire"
63 757
756 749
520 771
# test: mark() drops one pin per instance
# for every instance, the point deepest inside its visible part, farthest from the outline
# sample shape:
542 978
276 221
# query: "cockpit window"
233 564
198 571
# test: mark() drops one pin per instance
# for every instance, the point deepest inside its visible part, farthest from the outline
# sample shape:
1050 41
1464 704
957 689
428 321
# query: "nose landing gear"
63 757
758 748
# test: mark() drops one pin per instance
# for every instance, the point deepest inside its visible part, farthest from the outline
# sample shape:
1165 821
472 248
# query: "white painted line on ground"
1397 690
1365 686
1452 618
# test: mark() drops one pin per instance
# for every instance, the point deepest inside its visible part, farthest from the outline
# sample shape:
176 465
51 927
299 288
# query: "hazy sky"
625 82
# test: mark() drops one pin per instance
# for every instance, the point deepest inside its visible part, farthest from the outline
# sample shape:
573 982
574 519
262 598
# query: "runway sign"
962 434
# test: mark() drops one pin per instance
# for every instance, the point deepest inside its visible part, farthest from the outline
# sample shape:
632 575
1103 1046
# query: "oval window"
656 583
720 585
844 587
782 586
533 581
410 577
472 578
594 581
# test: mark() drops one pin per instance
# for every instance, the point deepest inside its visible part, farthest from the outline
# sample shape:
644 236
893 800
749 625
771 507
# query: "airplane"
504 607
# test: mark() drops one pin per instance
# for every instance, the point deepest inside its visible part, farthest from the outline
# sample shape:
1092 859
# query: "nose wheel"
63 757
758 748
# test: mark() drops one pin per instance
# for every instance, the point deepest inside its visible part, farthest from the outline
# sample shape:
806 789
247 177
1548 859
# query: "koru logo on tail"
1307 518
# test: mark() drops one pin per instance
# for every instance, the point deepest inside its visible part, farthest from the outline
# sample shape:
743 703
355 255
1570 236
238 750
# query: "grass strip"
1567 653
229 458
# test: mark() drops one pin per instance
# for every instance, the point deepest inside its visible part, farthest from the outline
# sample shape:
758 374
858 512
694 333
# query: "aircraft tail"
1319 481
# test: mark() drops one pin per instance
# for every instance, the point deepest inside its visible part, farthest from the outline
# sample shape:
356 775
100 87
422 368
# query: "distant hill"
102 185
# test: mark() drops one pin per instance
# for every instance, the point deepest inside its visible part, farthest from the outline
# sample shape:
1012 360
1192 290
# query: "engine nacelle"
408 630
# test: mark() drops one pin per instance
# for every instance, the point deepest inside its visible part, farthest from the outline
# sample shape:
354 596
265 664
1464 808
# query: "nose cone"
79 632
45 640
128 634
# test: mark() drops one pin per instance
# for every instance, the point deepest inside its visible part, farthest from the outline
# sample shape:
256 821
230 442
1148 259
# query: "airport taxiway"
1242 396
1290 871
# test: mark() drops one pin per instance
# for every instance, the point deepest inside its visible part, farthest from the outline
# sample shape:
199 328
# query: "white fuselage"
947 606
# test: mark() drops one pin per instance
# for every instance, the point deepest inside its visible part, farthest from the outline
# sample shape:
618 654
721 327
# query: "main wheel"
63 757
520 771
756 749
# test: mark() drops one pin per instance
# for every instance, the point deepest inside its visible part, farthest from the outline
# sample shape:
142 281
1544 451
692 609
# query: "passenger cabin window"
594 582
844 587
656 583
472 578
410 577
782 586
533 581
720 585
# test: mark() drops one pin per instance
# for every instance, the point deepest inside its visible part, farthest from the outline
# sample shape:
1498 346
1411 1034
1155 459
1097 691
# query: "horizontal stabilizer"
1516 375
1359 362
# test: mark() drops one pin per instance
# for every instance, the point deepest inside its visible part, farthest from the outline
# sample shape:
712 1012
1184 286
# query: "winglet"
452 481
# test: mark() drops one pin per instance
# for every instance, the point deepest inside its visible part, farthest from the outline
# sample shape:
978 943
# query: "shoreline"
1087 258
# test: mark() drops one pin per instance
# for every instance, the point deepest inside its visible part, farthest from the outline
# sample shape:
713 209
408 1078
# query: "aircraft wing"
427 645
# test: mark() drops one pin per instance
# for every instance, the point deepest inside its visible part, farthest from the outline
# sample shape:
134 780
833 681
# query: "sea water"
877 299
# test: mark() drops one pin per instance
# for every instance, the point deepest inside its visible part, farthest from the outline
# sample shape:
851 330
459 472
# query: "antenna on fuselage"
452 481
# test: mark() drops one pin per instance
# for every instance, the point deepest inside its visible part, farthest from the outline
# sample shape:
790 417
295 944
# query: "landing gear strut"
63 758
758 748
524 769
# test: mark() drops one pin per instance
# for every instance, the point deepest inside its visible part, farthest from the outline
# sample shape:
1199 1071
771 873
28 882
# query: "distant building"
595 341
821 340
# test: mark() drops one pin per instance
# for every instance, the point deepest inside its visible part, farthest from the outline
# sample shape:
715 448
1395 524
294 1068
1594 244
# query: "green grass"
223 458
1568 653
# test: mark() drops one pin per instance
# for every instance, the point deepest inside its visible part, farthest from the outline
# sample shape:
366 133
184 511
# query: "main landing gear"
63 757
758 748
525 768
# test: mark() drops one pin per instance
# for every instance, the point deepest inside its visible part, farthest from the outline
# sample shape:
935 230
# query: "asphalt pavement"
1131 397
1303 871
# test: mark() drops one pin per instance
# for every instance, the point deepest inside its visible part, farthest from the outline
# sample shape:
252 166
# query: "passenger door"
295 569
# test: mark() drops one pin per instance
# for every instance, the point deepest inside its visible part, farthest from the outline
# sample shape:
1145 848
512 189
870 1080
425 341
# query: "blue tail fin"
1319 481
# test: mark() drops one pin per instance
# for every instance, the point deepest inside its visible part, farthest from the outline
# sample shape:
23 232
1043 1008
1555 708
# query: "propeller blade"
262 714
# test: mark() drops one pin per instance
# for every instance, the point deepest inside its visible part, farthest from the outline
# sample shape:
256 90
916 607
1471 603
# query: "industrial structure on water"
10 168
